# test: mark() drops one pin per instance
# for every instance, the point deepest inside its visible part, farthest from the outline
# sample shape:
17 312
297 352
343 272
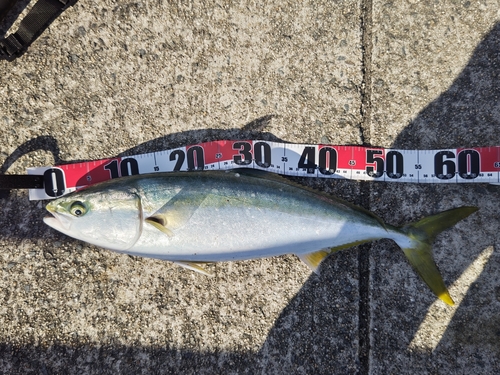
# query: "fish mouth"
57 222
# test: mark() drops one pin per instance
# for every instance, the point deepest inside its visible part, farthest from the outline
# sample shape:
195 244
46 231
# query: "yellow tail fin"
422 234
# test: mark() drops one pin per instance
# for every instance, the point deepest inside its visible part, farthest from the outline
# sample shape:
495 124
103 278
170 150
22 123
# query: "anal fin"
193 267
313 260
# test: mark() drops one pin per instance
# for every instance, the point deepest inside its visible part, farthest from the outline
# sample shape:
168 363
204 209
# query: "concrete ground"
111 77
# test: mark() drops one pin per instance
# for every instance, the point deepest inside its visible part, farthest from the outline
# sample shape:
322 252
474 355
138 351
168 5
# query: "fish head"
111 219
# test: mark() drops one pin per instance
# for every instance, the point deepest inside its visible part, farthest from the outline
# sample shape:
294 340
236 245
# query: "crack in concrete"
363 254
366 84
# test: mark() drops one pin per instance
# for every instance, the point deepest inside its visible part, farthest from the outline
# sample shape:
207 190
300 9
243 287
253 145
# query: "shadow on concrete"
315 333
468 111
49 143
466 114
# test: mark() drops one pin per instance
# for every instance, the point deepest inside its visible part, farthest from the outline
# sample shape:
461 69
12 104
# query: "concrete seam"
363 252
366 84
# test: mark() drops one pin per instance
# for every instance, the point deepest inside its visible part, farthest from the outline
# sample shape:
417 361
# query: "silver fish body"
196 217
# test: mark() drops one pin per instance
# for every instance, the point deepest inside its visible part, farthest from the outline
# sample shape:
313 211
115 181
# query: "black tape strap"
21 181
35 22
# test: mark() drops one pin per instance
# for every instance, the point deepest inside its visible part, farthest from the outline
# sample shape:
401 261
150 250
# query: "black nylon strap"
21 181
35 22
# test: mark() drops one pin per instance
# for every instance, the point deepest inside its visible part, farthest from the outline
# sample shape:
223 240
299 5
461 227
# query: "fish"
194 218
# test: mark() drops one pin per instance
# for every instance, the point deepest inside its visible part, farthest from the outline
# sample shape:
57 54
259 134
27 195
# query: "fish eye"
77 209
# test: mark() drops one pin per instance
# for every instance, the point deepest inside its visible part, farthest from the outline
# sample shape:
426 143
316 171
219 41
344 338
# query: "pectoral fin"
160 222
193 267
177 211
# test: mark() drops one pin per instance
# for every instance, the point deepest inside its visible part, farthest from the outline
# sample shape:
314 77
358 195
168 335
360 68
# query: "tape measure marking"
461 165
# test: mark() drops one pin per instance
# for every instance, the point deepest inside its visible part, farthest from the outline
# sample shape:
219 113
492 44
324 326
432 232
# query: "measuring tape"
460 165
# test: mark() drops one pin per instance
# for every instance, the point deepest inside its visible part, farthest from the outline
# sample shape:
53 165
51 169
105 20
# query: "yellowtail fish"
191 218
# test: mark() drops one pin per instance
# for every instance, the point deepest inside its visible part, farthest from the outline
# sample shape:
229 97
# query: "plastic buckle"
10 46
67 3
